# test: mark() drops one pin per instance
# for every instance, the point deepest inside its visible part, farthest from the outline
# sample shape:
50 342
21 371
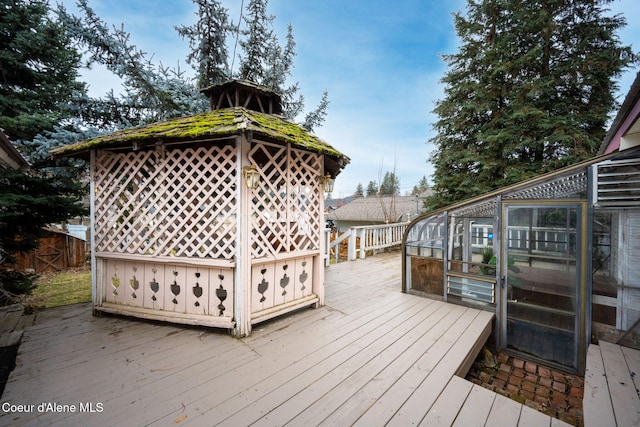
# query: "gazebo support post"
242 305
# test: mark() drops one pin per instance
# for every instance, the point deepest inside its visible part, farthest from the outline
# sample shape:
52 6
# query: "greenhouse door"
543 281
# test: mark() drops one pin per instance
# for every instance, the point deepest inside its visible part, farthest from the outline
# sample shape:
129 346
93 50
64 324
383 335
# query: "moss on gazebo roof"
217 123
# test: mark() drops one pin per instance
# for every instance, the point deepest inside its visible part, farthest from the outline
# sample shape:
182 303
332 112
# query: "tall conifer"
528 91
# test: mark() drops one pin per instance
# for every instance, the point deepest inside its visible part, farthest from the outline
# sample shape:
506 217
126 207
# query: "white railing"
543 239
366 238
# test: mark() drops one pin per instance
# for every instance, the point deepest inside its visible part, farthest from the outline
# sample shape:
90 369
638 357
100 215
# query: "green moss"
217 123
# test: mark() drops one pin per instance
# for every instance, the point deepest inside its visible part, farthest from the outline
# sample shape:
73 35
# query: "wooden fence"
57 251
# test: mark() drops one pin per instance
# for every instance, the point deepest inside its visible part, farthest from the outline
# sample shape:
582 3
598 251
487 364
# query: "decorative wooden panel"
153 293
286 205
179 202
284 289
175 280
280 282
263 286
114 281
133 286
303 277
170 288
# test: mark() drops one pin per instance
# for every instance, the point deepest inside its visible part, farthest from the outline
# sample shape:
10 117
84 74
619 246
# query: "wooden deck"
611 386
372 356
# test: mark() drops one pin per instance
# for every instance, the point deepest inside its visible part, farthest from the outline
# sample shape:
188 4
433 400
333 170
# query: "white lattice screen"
286 207
180 202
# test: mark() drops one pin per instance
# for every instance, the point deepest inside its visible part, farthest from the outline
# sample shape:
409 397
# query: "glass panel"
424 245
470 288
604 263
425 238
471 249
542 284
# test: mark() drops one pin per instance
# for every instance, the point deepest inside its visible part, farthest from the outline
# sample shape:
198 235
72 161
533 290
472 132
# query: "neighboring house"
374 210
333 204
565 249
10 157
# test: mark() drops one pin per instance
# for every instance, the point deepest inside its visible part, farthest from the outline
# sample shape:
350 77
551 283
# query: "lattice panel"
269 207
179 202
286 206
305 170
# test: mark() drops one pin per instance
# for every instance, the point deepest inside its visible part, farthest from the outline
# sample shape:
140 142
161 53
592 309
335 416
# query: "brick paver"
549 391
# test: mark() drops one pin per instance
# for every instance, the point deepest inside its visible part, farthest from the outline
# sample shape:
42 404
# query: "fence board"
57 251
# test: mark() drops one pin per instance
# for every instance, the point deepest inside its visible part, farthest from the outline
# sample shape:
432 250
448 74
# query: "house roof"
9 155
212 124
374 209
626 120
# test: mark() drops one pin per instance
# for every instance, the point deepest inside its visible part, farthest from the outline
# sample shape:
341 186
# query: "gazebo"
214 219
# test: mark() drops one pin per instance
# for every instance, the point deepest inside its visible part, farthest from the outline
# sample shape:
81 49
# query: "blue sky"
379 61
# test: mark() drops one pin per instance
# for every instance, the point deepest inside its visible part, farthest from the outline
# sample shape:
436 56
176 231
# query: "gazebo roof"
217 123
212 124
244 93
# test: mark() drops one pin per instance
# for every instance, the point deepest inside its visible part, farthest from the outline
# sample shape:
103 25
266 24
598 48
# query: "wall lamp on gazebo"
251 176
327 182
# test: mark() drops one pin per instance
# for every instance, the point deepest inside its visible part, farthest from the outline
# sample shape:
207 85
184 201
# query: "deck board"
596 403
610 391
504 412
449 404
371 355
529 417
477 406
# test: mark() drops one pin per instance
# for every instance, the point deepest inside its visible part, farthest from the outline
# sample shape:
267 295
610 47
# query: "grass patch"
68 287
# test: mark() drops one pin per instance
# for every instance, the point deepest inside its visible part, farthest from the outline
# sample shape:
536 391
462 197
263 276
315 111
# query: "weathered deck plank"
304 389
504 412
458 344
626 404
449 404
529 417
632 357
371 355
349 410
596 403
476 408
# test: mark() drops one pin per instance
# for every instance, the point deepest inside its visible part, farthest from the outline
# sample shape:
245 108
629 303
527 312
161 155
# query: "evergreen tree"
265 62
390 185
421 187
316 117
27 204
151 92
258 43
529 91
38 70
208 43
372 188
154 93
359 191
